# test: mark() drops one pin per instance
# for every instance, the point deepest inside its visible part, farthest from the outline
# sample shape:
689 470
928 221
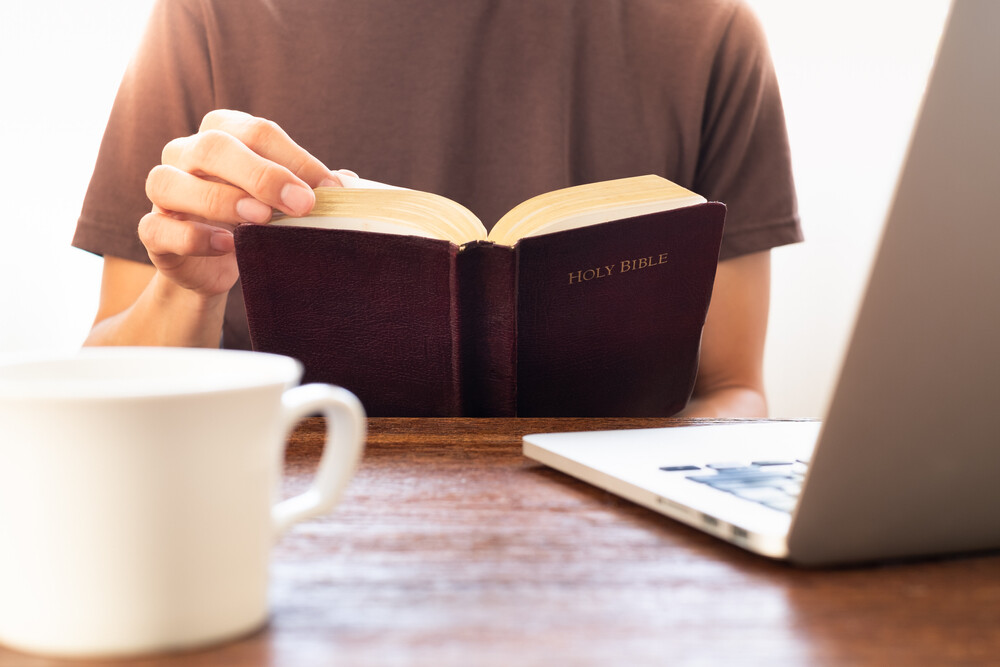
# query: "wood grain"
451 548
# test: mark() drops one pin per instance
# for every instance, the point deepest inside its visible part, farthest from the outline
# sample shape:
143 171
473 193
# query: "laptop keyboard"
774 484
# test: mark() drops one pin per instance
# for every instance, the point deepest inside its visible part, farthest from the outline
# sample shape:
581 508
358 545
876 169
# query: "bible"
584 301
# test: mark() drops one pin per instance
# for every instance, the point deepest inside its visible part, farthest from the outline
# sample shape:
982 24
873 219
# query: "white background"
851 72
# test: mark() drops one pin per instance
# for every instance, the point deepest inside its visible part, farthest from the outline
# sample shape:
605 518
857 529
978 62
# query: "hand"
236 169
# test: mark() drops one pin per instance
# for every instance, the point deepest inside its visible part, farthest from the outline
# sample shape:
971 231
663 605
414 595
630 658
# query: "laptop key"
736 472
761 494
786 504
743 473
726 466
678 468
792 488
726 483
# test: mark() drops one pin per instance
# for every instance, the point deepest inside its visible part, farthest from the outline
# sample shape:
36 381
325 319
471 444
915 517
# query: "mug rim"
272 370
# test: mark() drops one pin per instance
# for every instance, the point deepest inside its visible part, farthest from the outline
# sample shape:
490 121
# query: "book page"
375 207
591 204
355 224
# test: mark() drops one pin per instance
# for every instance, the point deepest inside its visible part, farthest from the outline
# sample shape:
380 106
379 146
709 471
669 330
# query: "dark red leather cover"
610 316
598 321
370 312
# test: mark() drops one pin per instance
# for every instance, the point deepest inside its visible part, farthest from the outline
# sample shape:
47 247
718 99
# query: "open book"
585 301
376 207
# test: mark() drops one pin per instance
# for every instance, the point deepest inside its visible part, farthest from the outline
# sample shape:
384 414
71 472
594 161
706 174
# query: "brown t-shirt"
487 102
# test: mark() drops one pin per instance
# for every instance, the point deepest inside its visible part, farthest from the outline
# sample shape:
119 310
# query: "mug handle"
345 423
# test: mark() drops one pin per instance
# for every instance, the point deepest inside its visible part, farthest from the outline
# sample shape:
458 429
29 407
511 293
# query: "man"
484 101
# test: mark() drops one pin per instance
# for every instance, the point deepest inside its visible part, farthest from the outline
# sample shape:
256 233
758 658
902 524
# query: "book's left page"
370 206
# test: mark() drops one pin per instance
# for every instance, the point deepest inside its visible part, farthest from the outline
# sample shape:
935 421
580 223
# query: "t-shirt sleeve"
744 157
165 92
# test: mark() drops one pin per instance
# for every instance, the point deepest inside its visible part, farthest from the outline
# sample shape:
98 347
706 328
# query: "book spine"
487 329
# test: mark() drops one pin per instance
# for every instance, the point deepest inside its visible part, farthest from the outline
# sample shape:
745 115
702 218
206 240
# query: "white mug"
138 492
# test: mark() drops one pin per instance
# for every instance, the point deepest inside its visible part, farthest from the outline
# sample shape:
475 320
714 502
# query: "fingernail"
348 172
330 183
222 241
297 199
252 210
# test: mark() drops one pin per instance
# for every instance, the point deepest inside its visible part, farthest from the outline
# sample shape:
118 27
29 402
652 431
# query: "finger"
172 189
343 178
165 236
269 140
219 155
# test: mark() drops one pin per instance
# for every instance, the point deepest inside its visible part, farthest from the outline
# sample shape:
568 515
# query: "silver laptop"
907 460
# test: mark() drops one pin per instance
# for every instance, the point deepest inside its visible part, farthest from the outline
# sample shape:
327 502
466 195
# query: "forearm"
730 372
164 314
728 402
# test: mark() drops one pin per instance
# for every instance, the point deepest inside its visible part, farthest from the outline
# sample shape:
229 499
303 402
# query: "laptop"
906 462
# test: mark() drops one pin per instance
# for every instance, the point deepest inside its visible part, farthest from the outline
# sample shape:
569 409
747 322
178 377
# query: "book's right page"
609 317
591 204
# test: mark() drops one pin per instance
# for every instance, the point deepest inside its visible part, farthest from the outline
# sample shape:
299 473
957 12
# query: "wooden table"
450 548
